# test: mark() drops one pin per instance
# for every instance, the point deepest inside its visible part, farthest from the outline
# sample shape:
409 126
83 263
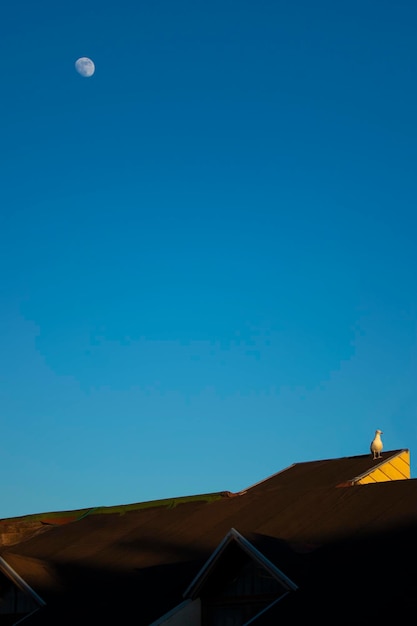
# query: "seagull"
377 445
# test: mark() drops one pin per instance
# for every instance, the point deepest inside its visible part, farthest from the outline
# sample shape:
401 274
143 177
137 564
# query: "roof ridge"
243 491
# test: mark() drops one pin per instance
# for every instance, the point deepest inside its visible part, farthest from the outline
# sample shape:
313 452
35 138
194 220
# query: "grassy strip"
78 514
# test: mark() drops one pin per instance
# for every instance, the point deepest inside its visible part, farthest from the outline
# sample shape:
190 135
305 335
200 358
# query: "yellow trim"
397 468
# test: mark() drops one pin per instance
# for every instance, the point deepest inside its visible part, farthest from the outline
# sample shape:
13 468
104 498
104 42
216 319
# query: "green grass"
78 514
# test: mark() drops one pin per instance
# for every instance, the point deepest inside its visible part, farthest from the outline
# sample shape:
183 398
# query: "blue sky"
208 248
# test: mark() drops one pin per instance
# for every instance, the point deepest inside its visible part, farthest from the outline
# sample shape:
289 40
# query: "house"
330 540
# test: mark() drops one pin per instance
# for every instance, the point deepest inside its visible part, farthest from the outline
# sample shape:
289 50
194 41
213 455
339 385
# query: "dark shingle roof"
326 473
153 552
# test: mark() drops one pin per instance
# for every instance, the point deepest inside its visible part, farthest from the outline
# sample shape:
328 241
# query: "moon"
85 67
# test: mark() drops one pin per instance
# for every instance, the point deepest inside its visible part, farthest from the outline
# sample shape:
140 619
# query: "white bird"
377 445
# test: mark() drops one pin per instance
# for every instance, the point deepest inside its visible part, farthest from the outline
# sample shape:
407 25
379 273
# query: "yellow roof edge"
382 462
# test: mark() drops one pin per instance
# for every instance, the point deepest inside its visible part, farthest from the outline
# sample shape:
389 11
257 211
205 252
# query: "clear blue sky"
208 249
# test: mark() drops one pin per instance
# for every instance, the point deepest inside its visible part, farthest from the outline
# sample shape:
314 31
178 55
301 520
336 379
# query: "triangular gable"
234 538
237 582
17 598
395 467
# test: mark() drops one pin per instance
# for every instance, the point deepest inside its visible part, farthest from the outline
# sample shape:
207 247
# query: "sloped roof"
153 552
325 473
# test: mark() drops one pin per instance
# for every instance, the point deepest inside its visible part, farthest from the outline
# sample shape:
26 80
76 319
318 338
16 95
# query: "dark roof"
326 473
154 552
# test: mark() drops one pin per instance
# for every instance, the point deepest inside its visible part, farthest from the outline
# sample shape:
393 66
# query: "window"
14 603
244 592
